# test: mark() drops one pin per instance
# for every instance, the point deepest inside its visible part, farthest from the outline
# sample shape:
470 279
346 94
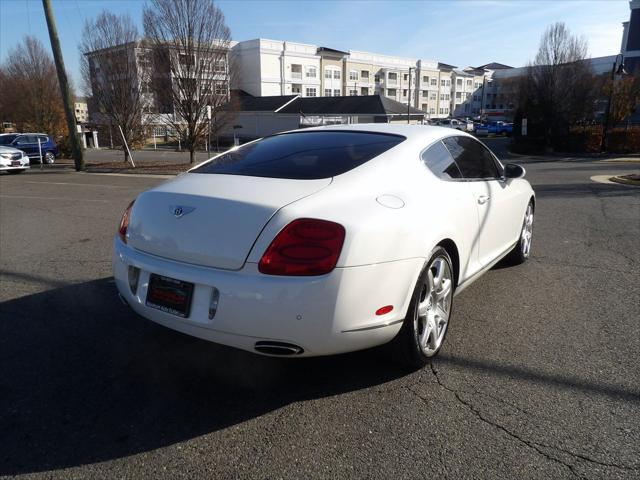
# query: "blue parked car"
495 128
28 143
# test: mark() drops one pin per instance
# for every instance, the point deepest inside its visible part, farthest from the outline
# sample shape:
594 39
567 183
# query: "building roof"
344 105
446 66
494 66
248 103
331 51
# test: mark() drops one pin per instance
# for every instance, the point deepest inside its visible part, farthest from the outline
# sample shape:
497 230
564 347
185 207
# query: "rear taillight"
304 247
124 223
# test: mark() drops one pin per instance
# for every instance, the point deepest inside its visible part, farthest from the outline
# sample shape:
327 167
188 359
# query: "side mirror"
511 170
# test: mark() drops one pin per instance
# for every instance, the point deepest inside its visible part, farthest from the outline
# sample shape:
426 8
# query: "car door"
28 144
462 211
493 196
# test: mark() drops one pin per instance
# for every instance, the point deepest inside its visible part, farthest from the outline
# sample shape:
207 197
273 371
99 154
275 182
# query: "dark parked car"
28 143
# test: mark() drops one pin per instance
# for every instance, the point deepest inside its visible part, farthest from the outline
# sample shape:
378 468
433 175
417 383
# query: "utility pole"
64 86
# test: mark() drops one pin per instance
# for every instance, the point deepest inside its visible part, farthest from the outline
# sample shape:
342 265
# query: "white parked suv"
13 160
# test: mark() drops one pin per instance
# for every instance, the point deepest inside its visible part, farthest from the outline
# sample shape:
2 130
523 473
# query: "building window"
296 88
443 82
311 72
296 71
478 84
377 78
424 107
434 81
392 77
442 96
469 83
434 96
327 73
425 94
425 79
337 92
353 75
391 92
364 74
446 111
336 74
327 92
220 88
458 95
448 83
441 111
310 92
405 77
364 91
220 66
353 93
404 93
432 111
459 82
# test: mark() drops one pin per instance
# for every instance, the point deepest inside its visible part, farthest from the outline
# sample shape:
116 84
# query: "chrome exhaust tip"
280 349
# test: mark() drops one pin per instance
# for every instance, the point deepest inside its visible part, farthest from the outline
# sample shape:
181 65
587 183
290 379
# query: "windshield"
7 139
303 155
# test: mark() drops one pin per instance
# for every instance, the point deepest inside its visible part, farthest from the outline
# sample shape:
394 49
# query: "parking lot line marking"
54 198
81 184
130 175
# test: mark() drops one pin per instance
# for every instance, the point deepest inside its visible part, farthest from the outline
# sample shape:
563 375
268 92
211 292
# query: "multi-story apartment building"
134 67
466 91
273 67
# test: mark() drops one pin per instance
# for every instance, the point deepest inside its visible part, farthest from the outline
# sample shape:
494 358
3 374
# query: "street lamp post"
409 97
607 113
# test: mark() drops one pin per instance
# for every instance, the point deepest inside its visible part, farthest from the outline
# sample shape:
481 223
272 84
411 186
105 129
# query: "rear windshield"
303 155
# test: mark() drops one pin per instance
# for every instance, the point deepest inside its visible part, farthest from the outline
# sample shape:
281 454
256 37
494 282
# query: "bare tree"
30 94
113 69
191 46
558 88
624 98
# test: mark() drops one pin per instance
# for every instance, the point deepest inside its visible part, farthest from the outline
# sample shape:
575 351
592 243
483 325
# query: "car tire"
49 158
522 250
426 324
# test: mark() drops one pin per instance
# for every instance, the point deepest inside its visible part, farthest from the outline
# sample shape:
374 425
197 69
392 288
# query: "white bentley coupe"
324 240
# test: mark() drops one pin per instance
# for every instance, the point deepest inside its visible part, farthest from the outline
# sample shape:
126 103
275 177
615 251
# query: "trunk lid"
211 219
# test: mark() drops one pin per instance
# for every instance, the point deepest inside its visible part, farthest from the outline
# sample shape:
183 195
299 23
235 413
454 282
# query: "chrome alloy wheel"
433 306
527 232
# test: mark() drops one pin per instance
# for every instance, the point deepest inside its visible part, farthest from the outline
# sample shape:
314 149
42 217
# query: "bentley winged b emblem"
181 210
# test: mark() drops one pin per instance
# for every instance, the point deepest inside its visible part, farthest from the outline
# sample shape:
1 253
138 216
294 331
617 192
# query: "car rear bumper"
24 164
322 315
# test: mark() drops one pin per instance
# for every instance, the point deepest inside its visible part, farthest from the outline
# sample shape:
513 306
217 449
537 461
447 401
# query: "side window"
20 140
43 138
29 139
438 159
473 159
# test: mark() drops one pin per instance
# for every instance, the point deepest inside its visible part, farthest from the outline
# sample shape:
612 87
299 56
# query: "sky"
457 32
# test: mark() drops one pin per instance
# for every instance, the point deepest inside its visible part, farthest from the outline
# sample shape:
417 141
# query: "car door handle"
482 199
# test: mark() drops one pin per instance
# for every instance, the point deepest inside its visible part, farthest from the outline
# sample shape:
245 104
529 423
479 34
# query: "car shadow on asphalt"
84 380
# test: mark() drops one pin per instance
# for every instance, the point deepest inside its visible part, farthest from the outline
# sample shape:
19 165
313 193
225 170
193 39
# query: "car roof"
24 133
411 132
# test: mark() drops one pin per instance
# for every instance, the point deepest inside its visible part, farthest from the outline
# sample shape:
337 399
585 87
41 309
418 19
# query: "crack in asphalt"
536 446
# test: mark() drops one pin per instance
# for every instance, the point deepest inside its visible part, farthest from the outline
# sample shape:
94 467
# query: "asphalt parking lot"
539 377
